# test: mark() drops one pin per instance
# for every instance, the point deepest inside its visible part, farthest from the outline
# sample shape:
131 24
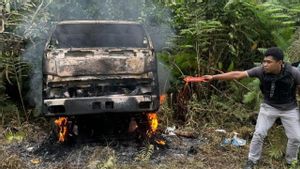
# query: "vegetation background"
192 37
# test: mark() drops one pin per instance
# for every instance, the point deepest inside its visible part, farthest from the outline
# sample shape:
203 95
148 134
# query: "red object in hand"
194 79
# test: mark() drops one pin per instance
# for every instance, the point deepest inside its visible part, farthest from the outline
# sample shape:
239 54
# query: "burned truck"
95 67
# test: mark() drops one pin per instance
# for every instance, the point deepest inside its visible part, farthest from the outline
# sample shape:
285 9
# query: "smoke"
40 19
164 77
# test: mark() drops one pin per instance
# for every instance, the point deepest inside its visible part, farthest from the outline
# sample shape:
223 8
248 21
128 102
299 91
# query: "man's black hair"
275 52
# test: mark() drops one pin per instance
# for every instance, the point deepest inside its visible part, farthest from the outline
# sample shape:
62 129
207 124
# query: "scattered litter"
227 141
179 155
220 130
35 161
170 131
30 149
238 141
235 141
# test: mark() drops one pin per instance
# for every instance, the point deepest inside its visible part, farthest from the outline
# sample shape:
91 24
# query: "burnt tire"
143 126
54 132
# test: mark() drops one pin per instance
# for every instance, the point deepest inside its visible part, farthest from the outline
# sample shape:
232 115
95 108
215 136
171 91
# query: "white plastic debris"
235 141
227 141
238 141
30 149
220 130
170 131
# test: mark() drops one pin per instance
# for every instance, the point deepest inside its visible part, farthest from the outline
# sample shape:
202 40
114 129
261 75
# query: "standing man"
278 84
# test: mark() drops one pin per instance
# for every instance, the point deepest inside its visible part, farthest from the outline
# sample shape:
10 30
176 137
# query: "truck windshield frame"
92 35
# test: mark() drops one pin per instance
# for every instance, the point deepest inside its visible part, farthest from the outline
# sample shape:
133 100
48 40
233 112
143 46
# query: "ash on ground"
43 152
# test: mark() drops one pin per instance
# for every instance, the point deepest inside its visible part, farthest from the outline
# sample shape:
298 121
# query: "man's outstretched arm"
227 76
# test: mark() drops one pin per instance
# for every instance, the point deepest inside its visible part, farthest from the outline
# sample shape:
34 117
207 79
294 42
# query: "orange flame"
62 122
153 122
161 142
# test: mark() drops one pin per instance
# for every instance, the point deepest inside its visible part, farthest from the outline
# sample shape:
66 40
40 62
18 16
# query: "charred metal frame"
79 81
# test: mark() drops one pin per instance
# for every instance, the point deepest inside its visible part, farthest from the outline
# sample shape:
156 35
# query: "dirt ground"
31 147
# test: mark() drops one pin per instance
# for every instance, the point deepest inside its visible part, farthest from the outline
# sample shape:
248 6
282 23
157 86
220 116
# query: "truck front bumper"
98 105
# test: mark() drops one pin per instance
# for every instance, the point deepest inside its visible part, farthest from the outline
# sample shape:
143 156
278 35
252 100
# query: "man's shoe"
249 165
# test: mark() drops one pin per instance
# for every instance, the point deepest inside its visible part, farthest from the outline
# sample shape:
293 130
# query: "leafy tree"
227 34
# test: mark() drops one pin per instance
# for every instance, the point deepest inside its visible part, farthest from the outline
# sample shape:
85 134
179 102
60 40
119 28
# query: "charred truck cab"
96 67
